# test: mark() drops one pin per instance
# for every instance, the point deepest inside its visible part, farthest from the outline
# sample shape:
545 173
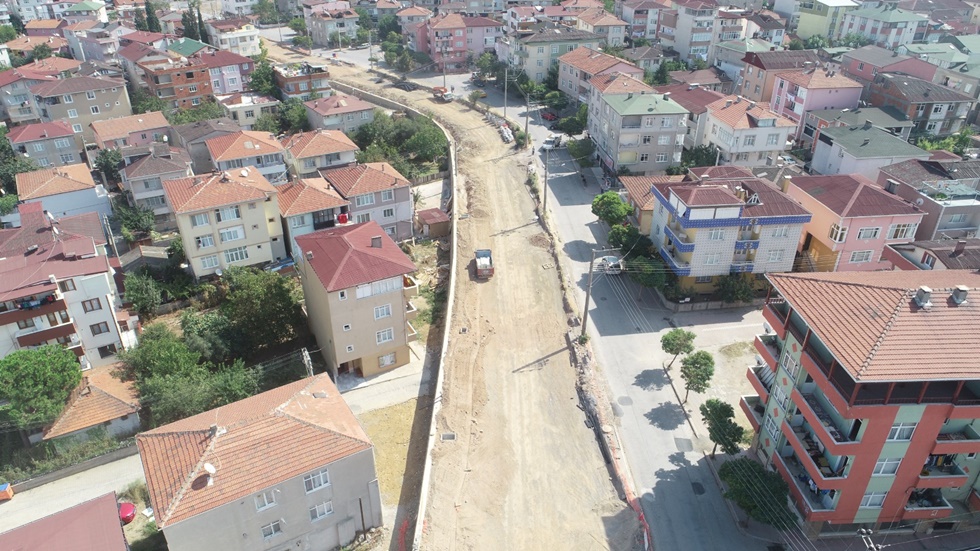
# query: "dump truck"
442 94
484 264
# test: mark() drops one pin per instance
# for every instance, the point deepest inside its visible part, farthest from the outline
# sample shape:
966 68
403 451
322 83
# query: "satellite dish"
218 272
166 139
50 216
919 201
766 327
210 468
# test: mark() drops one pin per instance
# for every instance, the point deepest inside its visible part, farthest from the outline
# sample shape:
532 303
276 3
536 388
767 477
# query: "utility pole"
544 186
444 53
527 116
506 68
588 290
869 544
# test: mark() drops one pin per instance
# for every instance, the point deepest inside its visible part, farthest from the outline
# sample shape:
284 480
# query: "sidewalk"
390 388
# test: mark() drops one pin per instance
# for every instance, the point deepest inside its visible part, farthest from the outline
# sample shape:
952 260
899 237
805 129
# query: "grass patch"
390 430
435 305
582 151
736 349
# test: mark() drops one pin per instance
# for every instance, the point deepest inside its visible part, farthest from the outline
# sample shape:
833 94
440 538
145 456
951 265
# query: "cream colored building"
357 284
227 219
82 100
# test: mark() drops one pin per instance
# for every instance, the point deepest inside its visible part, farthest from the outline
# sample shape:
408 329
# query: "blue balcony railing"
682 245
679 267
741 267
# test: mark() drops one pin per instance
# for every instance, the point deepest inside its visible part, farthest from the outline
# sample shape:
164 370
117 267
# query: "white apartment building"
238 35
747 133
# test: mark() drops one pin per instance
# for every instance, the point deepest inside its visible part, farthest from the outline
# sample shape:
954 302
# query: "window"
704 279
957 218
772 139
316 480
215 83
388 213
228 213
99 328
362 218
387 195
232 234
90 95
390 230
666 123
364 200
837 233
771 428
39 147
236 255
776 256
204 241
199 220
382 311
902 231
94 109
297 221
857 257
742 157
780 231
209 262
385 335
265 500
67 98
873 500
663 140
271 530
91 305
716 234
309 163
386 360
193 88
860 66
76 128
937 109
779 395
711 259
66 285
72 114
901 431
790 364
749 140
869 233
885 467
67 158
24 324
342 295
661 157
319 511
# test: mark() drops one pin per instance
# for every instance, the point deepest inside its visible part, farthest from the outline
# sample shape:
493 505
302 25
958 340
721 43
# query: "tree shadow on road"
651 379
666 416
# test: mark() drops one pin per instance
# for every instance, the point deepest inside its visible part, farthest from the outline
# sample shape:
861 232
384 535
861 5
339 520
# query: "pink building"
799 92
449 39
139 129
853 222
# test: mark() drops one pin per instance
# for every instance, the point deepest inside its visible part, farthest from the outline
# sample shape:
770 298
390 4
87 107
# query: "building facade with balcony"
853 222
946 192
227 219
18 104
688 28
376 192
229 71
887 25
239 36
724 221
301 81
746 133
139 129
327 25
57 287
536 51
339 112
359 306
643 17
866 426
46 143
933 108
450 39
640 131
943 254
246 148
309 152
246 107
143 179
823 17
80 101
760 70
611 29
577 67
696 100
308 205
182 83
798 93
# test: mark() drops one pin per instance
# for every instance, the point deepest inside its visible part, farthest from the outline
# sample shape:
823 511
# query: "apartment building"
229 71
187 47
761 68
22 47
80 101
17 104
577 68
324 25
711 78
308 152
643 17
132 130
194 137
886 25
287 467
239 36
944 254
853 222
228 218
45 27
611 29
358 285
944 191
307 205
860 150
535 52
302 80
57 287
765 25
67 190
799 92
728 56
89 41
46 143
641 199
868 427
823 17
409 19
245 108
87 10
866 63
746 133
451 39
729 24
642 132
724 221
143 177
259 150
689 30
934 109
696 100
339 112
183 82
376 192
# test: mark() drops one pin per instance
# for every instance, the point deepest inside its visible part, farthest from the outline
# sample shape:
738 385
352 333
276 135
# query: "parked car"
553 141
480 93
407 86
127 512
549 116
611 265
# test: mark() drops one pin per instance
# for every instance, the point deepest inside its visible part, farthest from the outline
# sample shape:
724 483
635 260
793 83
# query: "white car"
554 141
611 265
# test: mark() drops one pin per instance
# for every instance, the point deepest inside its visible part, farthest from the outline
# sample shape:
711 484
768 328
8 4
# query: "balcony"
815 462
38 336
411 335
761 378
679 267
754 408
927 503
813 506
746 244
768 348
680 240
410 287
411 312
775 312
833 437
964 441
33 309
741 266
943 473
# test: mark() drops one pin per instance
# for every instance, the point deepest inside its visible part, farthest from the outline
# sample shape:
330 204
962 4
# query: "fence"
429 178
114 455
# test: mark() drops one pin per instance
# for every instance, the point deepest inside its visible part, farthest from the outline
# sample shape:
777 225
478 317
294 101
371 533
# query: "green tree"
143 101
556 100
550 81
677 342
761 493
816 42
427 143
364 20
853 40
698 64
723 431
139 20
152 21
702 155
17 23
267 11
143 292
485 64
647 272
108 162
796 44
363 36
262 306
292 116
160 353
202 29
181 395
661 76
36 383
474 96
7 33
697 369
388 25
8 202
629 240
267 122
12 164
207 110
41 51
263 80
189 22
303 42
610 208
404 62
956 143
734 288
209 334
298 25
138 219
640 42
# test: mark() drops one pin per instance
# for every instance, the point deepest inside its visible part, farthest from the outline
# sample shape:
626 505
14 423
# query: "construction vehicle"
442 94
484 264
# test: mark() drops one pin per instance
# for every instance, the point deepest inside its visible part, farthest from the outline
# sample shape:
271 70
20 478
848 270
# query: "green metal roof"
870 142
87 5
644 104
970 42
187 46
747 45
887 15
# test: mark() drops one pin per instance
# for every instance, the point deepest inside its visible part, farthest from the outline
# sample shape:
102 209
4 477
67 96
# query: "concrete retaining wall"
75 469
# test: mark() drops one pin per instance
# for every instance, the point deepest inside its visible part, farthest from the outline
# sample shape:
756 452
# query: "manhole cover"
698 488
625 400
449 436
463 330
684 444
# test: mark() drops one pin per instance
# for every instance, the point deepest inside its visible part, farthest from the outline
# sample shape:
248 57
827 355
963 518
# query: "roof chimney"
376 242
865 142
959 293
784 185
960 247
666 95
868 124
922 297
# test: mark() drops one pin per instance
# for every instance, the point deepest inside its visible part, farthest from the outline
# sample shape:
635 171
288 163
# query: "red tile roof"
318 142
242 144
724 172
39 131
742 113
337 104
253 444
308 195
75 85
852 195
53 181
121 127
217 189
143 37
736 191
222 58
619 83
871 323
89 526
28 43
594 62
99 398
343 257
136 51
364 178
693 98
638 188
815 79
